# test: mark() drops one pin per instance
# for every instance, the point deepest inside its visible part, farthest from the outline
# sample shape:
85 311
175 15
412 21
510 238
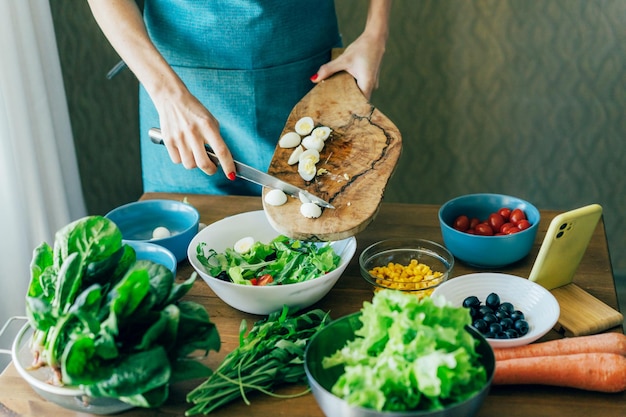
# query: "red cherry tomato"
516 216
512 230
461 223
523 224
265 279
505 227
495 221
484 229
505 212
473 222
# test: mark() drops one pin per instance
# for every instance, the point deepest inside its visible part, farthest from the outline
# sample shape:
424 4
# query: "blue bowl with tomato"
489 230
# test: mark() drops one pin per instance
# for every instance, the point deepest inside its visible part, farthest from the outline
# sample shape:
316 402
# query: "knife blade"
251 174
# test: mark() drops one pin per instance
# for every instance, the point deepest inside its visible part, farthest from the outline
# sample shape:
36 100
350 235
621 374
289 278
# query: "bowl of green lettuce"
301 272
398 357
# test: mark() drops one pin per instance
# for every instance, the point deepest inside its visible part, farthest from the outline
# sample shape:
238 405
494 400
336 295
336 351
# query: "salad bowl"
321 380
262 300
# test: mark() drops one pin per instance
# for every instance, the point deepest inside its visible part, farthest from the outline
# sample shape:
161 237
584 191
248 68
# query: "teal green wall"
510 96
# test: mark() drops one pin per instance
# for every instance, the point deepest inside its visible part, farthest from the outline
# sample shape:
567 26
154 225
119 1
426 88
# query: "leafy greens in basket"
285 260
110 324
410 354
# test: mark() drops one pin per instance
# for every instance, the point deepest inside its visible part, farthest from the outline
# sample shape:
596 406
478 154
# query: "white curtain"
40 188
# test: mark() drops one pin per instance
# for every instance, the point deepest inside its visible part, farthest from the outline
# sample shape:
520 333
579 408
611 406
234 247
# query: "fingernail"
231 176
314 77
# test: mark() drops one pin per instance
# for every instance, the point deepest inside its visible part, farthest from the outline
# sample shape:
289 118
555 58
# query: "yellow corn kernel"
412 277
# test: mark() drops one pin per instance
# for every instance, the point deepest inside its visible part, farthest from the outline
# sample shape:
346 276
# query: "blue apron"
249 63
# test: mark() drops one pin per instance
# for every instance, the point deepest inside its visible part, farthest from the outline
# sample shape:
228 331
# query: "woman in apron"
228 73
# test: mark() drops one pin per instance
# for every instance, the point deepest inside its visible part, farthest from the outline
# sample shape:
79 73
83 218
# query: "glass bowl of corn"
415 266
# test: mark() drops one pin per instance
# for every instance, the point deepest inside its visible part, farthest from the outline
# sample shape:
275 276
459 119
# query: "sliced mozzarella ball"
306 169
161 232
295 155
289 140
310 154
312 142
310 210
306 164
303 198
275 197
244 244
322 132
304 126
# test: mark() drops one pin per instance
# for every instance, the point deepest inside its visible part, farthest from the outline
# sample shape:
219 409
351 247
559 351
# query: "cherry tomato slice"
265 279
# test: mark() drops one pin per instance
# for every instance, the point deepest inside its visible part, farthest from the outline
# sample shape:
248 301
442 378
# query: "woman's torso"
249 63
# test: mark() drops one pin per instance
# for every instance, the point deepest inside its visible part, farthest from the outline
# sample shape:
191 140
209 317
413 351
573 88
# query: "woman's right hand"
186 125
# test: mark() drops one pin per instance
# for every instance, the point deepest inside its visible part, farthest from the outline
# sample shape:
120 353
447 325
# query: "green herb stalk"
271 354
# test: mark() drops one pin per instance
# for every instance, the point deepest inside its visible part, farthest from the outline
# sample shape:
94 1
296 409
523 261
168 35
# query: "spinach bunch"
271 354
109 323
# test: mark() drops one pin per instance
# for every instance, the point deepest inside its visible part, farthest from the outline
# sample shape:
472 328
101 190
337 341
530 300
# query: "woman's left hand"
363 57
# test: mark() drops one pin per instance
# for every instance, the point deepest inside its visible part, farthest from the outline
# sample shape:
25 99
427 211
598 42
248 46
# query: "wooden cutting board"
357 160
582 313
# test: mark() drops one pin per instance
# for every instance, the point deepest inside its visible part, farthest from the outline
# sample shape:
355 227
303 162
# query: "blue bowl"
138 220
155 253
487 251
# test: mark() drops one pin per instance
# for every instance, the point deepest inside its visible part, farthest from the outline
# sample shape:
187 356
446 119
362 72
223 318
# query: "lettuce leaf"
410 354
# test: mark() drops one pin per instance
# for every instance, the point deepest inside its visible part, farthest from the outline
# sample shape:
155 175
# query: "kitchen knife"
253 175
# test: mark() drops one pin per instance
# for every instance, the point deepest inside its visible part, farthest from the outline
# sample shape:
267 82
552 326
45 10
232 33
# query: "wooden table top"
393 220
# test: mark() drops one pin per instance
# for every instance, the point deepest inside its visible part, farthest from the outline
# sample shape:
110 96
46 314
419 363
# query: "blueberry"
507 323
512 333
522 327
507 307
493 300
495 328
481 325
471 301
490 318
517 315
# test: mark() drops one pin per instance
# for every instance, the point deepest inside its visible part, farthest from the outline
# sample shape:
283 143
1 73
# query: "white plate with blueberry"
508 310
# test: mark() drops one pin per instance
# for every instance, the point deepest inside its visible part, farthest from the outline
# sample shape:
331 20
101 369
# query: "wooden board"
582 313
358 158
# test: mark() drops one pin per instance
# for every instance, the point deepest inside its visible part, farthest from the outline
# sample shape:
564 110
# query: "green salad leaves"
410 354
111 324
286 260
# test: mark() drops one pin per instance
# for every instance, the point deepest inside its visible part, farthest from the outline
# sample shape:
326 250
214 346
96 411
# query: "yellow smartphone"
564 245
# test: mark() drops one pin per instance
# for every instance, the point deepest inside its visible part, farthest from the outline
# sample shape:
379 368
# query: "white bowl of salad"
254 269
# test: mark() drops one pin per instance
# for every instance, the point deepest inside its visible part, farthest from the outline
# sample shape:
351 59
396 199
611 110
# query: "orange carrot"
598 343
603 372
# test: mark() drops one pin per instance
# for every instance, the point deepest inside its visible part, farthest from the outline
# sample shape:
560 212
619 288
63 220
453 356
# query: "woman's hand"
363 57
186 125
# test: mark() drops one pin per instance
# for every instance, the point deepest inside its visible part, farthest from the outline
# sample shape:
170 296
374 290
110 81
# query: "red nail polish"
314 77
231 176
